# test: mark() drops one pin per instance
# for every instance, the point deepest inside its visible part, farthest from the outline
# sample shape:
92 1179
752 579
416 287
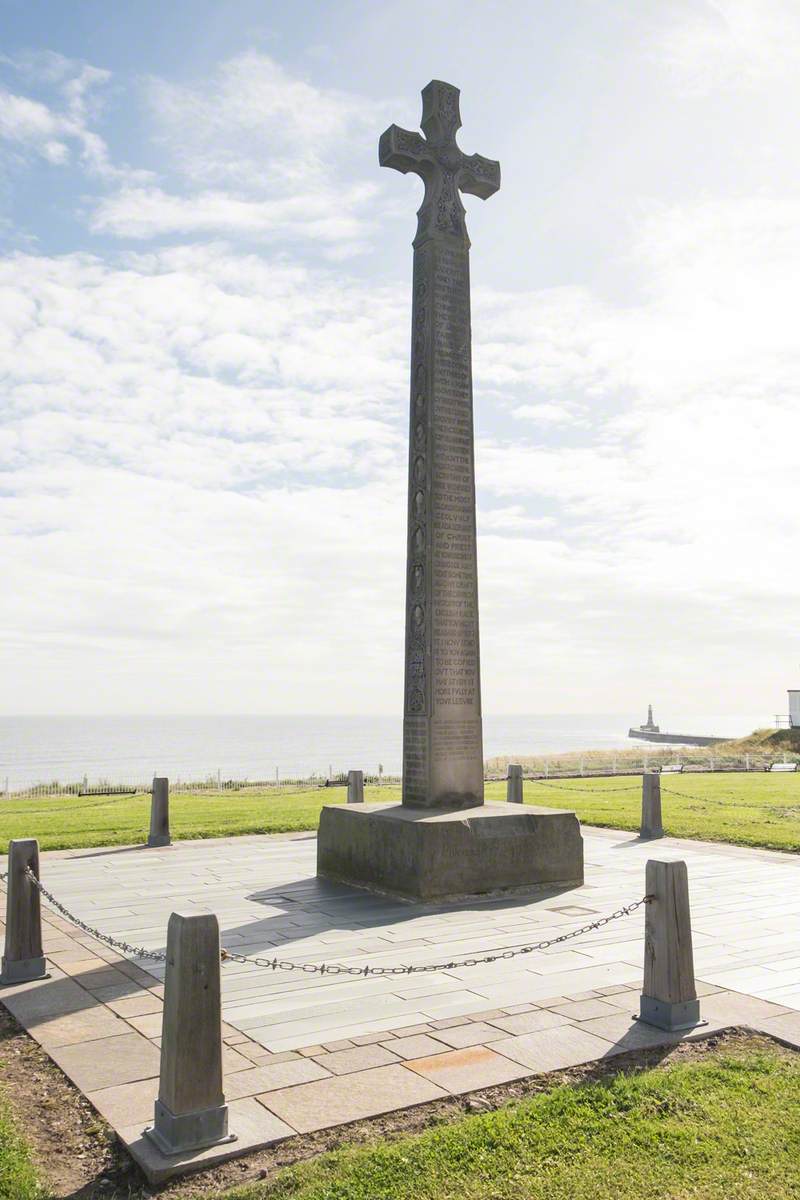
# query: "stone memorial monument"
442 841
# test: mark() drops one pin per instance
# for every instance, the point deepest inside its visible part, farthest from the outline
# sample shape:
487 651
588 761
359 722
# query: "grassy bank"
763 746
721 1126
756 809
17 1176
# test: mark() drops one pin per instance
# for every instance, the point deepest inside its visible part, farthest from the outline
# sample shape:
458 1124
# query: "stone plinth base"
434 855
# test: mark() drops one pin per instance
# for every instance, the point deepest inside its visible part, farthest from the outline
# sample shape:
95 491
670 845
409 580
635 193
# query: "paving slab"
474 1033
121 1059
345 1098
272 1076
529 1022
468 1069
418 1045
359 1058
255 1127
308 1051
553 1049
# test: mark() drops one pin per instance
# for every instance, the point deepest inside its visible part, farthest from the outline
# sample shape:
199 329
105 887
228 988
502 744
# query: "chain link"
125 947
565 787
276 964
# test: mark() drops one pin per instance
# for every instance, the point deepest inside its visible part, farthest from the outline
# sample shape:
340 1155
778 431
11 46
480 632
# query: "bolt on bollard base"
665 1014
189 1131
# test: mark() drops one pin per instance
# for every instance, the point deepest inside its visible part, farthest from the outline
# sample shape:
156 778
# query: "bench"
782 766
672 769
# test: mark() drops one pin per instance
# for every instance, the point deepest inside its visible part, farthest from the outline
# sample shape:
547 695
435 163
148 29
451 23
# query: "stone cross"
442 728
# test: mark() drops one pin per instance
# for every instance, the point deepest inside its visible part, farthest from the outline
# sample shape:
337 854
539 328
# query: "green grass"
17 1177
755 809
723 1127
750 809
65 822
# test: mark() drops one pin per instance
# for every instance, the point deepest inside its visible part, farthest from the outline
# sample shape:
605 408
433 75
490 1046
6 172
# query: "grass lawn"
756 809
751 809
17 1176
65 822
721 1127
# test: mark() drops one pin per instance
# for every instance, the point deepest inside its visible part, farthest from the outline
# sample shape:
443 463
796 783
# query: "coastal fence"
566 766
211 783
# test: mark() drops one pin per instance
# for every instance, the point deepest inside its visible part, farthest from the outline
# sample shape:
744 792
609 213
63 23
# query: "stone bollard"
190 1112
514 784
159 814
23 959
355 787
651 807
669 998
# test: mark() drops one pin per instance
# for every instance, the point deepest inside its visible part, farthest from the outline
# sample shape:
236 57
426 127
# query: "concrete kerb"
23 957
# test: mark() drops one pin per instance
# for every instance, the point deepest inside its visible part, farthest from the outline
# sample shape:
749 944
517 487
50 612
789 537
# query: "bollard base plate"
189 1131
23 970
670 1016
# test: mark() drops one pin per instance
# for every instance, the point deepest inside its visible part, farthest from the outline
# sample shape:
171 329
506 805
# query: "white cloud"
206 455
256 153
59 127
323 216
733 44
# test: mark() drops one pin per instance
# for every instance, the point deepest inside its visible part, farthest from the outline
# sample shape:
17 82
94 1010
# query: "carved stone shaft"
669 997
23 957
190 1111
442 728
159 814
651 826
514 784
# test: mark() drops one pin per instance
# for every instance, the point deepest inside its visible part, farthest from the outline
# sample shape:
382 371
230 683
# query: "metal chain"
565 787
275 964
701 799
126 947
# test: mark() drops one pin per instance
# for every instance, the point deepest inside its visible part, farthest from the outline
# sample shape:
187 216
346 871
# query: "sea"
131 749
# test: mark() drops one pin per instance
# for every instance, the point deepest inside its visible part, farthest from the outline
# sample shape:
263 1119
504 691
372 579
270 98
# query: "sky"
204 338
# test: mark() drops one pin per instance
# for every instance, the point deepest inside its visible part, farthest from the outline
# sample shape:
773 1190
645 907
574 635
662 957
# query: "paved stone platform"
305 1052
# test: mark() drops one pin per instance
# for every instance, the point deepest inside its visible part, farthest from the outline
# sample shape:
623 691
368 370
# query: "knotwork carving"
438 160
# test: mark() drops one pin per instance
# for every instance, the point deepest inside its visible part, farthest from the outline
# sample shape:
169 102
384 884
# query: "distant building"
794 708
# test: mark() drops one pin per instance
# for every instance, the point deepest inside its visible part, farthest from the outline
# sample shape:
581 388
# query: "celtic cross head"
445 170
